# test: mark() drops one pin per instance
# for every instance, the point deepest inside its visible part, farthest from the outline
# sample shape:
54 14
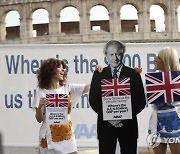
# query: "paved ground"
33 150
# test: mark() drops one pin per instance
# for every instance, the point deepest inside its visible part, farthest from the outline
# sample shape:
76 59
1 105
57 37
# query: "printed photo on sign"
163 87
116 99
57 109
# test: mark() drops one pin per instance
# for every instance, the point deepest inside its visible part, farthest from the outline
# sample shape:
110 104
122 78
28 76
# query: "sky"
96 13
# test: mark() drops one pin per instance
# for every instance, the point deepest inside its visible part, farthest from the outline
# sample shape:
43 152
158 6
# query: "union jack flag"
163 87
115 87
57 100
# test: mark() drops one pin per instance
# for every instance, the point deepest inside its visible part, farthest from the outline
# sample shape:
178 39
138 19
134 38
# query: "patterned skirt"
168 125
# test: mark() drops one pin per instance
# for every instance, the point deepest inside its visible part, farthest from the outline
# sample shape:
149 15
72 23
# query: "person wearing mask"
109 131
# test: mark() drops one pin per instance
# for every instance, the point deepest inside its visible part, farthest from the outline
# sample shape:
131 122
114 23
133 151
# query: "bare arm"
39 114
99 68
138 70
86 88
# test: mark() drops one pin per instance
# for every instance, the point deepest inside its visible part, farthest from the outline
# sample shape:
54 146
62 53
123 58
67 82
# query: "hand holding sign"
43 101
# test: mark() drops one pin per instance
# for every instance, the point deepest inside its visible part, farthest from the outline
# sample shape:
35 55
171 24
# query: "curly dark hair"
47 70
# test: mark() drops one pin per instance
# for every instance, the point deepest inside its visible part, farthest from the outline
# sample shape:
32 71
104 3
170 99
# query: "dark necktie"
115 123
115 73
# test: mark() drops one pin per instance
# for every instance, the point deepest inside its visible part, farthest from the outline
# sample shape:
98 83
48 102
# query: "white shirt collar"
118 69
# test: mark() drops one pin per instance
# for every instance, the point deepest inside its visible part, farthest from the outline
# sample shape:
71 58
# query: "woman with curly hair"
56 139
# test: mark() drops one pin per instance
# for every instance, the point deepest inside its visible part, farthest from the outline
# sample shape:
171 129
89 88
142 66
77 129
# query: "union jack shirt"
163 87
115 87
57 100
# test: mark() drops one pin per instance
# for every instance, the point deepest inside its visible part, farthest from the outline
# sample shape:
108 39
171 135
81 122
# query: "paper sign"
57 109
116 99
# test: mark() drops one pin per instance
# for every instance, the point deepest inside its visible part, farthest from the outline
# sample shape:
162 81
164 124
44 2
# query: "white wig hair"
170 59
119 45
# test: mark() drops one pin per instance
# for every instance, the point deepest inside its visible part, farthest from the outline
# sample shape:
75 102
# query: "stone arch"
157 21
134 3
72 7
101 24
40 28
65 4
36 6
105 4
163 6
12 30
29 21
66 26
131 22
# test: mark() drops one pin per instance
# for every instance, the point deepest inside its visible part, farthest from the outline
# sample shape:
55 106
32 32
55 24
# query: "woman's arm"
86 88
138 69
39 114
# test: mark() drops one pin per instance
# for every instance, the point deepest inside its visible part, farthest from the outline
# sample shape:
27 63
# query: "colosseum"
140 30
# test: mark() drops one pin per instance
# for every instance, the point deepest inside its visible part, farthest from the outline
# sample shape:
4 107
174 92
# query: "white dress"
65 146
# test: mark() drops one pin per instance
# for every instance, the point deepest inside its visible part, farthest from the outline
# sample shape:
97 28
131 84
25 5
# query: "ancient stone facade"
84 32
